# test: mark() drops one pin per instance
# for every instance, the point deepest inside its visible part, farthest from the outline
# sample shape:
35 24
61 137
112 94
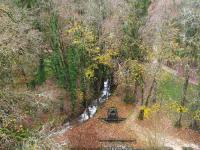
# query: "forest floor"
158 130
155 131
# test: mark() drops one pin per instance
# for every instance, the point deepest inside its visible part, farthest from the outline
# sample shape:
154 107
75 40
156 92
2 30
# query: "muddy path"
157 136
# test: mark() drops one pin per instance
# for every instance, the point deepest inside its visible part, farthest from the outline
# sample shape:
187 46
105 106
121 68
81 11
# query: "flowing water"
91 110
88 113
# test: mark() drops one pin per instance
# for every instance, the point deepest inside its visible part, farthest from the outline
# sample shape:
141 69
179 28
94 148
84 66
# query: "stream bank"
88 113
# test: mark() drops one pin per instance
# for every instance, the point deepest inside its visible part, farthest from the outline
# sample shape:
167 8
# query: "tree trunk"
178 123
194 125
185 88
142 98
150 91
135 90
141 115
154 92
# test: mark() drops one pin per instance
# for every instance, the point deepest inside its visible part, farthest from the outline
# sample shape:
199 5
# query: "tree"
133 49
57 56
24 50
190 33
85 59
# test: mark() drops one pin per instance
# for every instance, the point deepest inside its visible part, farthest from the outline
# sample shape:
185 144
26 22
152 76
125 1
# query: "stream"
88 112
91 110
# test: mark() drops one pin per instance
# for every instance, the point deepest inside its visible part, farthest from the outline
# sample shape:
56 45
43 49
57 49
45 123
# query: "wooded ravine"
99 74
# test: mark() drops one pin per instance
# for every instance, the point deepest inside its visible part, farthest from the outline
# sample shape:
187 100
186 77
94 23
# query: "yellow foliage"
106 58
75 41
197 115
81 35
96 50
136 69
89 36
77 27
89 73
175 106
148 111
155 107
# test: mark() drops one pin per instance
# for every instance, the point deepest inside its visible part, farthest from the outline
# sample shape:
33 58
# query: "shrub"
130 99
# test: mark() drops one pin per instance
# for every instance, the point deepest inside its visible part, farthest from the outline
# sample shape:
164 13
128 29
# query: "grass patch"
171 88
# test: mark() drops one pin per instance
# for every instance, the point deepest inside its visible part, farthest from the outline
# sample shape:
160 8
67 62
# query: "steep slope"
160 12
